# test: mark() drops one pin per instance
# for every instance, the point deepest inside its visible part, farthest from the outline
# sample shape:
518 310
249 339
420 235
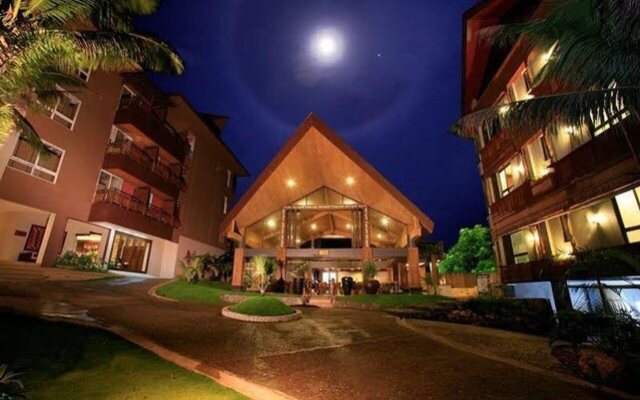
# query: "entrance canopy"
319 187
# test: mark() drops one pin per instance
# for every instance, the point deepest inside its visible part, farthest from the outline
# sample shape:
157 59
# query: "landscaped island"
261 309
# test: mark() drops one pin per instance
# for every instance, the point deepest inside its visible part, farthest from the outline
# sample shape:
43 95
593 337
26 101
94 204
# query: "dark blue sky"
250 60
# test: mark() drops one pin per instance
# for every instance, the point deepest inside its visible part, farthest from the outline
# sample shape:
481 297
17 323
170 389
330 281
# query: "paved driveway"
329 354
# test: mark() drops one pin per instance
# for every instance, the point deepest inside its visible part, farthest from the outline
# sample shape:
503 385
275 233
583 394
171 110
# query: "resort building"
556 190
321 203
134 177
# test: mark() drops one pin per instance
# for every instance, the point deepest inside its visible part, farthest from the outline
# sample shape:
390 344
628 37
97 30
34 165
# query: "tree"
43 44
265 267
594 62
472 253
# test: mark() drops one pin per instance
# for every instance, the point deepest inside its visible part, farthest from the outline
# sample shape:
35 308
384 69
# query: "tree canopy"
472 253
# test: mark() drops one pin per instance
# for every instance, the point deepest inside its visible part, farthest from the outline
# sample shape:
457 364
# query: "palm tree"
43 43
594 61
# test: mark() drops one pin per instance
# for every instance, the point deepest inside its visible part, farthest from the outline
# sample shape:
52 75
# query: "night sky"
392 94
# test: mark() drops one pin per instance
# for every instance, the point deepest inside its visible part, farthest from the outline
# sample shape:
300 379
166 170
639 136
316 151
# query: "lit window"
520 246
119 136
629 207
538 157
27 160
511 176
66 110
83 74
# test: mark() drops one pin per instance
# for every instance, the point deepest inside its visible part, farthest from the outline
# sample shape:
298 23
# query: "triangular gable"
310 158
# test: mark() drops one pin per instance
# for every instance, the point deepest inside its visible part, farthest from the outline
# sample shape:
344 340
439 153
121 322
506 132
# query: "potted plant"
369 271
299 275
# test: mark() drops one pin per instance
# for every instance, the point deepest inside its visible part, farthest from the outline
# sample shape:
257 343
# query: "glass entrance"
130 253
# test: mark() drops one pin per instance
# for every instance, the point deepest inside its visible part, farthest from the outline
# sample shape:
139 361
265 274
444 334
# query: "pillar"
52 241
435 276
413 259
367 254
238 268
281 256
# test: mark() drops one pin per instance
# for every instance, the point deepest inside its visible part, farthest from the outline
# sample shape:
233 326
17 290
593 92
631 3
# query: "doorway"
130 253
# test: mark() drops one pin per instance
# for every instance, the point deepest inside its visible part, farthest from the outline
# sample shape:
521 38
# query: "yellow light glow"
569 130
379 235
349 226
503 110
519 168
291 182
596 218
271 223
546 171
533 237
549 54
90 237
350 181
314 227
385 221
298 241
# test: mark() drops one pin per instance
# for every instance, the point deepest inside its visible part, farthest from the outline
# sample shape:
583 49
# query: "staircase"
321 301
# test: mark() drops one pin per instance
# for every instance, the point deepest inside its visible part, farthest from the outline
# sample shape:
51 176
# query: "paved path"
329 354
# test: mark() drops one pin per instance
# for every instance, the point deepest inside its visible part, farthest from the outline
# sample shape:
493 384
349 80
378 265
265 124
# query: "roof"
215 129
312 125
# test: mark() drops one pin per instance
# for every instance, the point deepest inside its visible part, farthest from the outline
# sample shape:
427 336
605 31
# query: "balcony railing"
131 203
136 112
539 270
139 156
518 199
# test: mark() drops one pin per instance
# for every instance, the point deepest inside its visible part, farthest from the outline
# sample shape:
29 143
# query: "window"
127 95
229 178
519 244
629 208
520 86
108 181
83 74
511 176
119 136
44 166
538 157
225 206
66 110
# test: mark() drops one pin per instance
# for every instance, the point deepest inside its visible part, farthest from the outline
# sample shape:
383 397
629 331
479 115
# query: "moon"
327 46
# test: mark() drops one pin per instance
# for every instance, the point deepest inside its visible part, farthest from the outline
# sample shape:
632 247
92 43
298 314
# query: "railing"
518 199
539 270
131 203
171 140
138 155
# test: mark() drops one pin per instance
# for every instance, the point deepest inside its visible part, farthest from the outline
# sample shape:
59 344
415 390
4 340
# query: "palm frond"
568 108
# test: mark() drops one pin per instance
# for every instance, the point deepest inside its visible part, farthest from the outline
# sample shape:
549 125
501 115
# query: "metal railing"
138 155
131 203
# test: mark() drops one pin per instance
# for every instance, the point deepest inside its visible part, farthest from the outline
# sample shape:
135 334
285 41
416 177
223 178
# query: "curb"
552 374
226 312
237 298
225 378
152 292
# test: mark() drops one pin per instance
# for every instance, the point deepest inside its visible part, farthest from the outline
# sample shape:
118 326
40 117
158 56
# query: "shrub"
369 270
11 387
83 262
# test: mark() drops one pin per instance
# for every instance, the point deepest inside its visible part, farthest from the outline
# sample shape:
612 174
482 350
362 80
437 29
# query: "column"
282 260
238 268
413 259
435 277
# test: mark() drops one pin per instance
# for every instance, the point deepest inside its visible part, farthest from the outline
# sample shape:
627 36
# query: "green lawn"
68 362
262 306
202 292
393 299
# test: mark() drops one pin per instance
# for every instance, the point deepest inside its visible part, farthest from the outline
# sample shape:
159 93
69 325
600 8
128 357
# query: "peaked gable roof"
312 124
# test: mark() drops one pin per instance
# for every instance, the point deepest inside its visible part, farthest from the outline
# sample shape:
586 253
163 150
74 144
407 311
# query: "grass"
202 292
262 306
393 299
62 361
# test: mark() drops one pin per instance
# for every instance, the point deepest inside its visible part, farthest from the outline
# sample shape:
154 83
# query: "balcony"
500 149
539 270
125 157
122 209
518 199
135 115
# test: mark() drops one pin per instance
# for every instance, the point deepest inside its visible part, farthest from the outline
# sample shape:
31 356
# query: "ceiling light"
350 181
385 221
291 182
271 223
379 235
349 226
314 227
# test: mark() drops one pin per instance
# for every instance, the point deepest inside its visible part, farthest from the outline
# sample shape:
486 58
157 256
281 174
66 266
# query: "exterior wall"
11 221
188 245
207 177
7 144
84 147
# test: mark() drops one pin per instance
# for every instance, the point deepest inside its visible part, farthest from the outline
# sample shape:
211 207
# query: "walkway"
330 353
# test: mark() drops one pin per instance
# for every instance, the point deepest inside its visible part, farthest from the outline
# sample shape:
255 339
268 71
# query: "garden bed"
261 309
205 292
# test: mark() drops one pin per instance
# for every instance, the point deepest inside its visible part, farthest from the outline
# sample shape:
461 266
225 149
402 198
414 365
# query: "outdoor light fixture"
533 237
596 218
350 181
271 223
298 241
314 227
349 226
291 182
385 221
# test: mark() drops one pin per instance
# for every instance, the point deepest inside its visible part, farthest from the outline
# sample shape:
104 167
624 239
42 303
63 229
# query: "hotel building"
320 202
553 191
134 177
